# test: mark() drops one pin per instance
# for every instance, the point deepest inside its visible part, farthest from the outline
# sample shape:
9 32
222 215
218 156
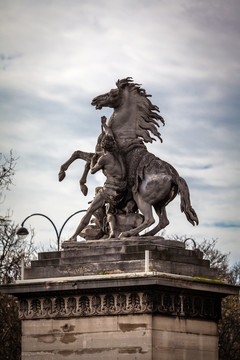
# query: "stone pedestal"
95 257
93 300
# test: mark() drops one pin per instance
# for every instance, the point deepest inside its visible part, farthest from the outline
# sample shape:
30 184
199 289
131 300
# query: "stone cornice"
121 303
118 294
129 280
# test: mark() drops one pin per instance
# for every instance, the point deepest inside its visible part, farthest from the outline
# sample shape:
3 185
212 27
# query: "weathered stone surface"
184 339
94 257
120 337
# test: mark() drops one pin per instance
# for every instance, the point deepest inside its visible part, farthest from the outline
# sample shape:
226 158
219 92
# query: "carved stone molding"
168 303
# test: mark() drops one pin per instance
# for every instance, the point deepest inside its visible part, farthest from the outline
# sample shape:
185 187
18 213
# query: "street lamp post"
22 231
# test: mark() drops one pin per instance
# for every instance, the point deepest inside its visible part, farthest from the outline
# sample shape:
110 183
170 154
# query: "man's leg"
97 202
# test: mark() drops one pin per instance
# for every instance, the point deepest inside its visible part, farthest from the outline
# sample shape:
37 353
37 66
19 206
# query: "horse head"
135 115
110 99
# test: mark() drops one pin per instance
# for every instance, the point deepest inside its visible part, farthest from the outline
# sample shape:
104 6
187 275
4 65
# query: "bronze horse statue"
151 181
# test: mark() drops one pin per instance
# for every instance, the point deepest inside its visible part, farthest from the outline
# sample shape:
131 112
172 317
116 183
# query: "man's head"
108 143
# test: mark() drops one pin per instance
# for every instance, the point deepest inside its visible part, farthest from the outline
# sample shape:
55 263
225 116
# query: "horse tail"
185 204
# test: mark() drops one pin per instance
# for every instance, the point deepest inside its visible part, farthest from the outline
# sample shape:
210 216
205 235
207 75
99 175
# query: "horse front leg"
65 166
76 155
83 179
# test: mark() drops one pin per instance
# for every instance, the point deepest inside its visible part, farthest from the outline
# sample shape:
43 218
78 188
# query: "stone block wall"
184 339
127 337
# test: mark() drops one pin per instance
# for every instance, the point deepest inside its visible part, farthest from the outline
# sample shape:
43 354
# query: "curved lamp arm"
38 214
77 212
23 231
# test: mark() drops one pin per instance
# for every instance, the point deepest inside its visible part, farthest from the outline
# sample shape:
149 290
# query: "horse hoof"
61 175
84 189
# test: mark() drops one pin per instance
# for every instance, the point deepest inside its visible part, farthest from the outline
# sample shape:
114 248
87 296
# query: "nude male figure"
113 191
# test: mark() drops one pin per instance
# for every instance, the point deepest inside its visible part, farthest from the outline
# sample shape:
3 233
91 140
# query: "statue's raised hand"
103 120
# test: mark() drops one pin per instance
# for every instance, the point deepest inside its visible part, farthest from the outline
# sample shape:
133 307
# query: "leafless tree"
229 325
7 170
12 251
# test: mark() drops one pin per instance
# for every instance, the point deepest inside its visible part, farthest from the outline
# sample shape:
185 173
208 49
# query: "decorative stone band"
182 305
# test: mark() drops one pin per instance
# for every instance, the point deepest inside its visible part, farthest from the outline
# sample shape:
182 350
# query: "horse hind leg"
163 221
160 209
146 210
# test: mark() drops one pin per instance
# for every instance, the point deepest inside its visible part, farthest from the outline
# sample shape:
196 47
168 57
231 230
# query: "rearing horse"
153 182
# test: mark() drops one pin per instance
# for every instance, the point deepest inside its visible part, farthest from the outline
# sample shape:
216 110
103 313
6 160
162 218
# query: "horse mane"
147 116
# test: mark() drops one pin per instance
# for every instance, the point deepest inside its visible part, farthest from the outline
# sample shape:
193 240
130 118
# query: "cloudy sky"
56 55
